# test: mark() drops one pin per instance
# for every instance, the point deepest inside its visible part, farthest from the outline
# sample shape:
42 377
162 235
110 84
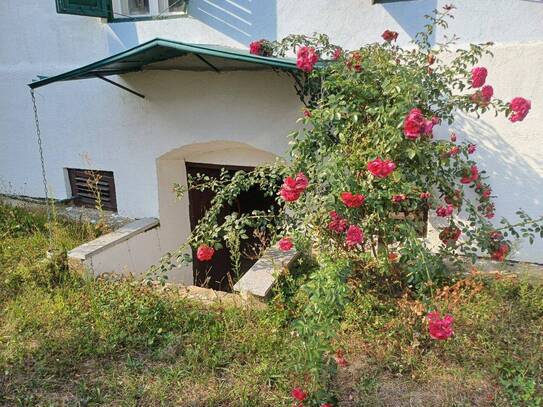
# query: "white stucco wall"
125 134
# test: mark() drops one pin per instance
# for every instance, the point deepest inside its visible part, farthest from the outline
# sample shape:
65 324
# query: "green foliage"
327 294
519 386
25 240
16 221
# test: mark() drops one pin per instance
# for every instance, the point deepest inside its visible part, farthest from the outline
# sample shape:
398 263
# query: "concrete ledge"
260 278
111 239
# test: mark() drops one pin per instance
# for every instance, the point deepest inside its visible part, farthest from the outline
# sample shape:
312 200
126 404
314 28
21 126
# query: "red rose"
453 137
454 151
337 224
487 92
205 252
380 168
261 47
289 196
425 195
449 235
354 236
501 253
285 244
478 76
414 124
471 148
292 188
306 58
471 176
390 35
482 97
289 191
299 394
399 198
440 328
352 200
307 113
255 47
520 107
444 211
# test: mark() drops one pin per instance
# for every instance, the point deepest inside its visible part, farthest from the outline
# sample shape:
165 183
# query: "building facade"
233 118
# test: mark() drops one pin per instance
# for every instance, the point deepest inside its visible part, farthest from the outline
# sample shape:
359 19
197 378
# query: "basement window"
93 188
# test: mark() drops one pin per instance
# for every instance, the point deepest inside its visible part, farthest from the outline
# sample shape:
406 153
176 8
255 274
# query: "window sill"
146 18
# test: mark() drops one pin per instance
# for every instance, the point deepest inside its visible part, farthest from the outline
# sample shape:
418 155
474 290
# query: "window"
119 9
148 8
93 188
387 1
92 8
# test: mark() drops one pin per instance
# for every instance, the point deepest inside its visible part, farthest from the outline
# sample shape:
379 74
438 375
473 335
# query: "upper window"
386 1
119 9
147 8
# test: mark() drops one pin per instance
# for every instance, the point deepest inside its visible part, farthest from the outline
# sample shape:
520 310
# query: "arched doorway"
179 216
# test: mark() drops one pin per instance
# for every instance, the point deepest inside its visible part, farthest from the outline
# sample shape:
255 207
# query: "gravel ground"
69 210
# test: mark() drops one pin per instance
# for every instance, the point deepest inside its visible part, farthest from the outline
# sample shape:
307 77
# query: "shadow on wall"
409 14
513 177
241 20
123 36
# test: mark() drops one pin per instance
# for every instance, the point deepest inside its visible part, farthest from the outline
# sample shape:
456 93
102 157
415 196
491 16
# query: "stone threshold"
260 278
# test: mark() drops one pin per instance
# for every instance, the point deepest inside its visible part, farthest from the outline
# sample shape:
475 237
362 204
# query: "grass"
73 341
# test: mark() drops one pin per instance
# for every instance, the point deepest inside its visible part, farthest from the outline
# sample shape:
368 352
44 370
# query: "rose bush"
364 170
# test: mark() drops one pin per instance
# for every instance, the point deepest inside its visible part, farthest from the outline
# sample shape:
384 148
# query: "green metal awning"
160 54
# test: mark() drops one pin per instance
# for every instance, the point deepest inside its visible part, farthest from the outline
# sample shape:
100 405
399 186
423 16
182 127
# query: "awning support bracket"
205 61
121 86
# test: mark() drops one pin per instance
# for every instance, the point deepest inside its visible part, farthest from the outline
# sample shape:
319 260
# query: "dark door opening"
218 273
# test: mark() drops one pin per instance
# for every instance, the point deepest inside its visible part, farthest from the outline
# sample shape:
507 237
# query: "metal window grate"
90 185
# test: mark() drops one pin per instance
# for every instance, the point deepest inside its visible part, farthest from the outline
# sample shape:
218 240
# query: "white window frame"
120 10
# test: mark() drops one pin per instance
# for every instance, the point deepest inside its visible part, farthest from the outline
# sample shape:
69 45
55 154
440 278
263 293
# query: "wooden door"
217 273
